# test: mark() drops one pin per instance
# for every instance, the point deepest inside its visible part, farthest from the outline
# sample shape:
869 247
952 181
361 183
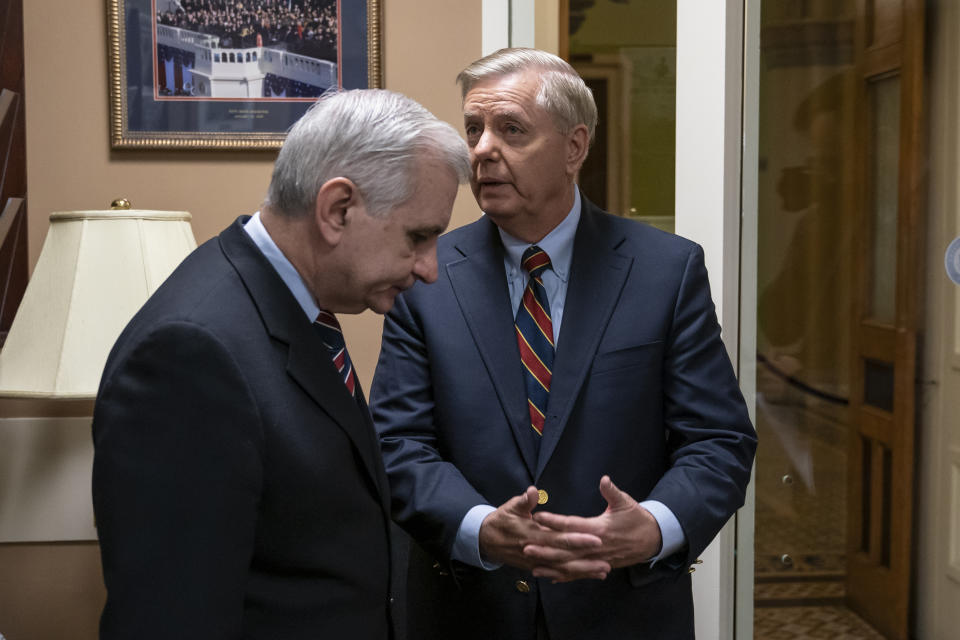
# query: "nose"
426 268
486 145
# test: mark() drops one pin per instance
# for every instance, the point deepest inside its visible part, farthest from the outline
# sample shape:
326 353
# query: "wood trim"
876 424
7 98
10 211
564 37
877 342
881 60
13 162
886 22
878 578
913 182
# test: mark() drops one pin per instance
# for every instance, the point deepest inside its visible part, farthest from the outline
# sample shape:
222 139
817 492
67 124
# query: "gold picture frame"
178 79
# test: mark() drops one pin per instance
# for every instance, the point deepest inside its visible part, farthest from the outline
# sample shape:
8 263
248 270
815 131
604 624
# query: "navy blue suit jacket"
642 390
238 488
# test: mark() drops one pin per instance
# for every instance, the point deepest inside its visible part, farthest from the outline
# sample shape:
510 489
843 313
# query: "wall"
53 589
937 570
70 164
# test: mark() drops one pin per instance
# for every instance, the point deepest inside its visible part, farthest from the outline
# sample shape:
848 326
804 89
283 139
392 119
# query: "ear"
578 143
334 200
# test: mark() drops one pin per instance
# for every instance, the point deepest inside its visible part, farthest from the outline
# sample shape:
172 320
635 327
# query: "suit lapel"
597 276
380 471
313 370
480 285
307 360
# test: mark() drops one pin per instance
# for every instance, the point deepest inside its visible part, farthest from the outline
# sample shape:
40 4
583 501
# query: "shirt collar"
558 243
284 268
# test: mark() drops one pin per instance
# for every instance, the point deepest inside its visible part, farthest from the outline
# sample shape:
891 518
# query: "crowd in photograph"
304 27
279 87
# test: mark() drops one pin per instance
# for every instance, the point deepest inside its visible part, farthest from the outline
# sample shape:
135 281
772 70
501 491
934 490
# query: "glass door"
840 225
626 51
826 258
668 80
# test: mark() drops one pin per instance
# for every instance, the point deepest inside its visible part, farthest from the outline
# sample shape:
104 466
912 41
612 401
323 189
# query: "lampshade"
96 269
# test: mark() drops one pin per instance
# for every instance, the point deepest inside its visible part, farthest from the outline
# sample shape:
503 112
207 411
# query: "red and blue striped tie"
332 336
535 336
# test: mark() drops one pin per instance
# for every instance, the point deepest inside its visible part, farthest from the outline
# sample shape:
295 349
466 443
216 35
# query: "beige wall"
54 590
50 591
70 164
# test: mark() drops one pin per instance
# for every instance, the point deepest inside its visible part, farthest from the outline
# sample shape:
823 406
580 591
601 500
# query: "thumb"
523 504
616 499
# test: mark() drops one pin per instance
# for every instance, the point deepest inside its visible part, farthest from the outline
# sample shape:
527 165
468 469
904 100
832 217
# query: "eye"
513 129
418 237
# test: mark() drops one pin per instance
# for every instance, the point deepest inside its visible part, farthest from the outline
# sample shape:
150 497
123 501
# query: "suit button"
542 496
522 586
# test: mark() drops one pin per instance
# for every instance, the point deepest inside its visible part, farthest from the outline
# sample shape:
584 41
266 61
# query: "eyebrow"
429 230
499 114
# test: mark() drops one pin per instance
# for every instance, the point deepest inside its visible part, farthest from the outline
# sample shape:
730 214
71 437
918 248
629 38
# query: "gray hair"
563 93
374 138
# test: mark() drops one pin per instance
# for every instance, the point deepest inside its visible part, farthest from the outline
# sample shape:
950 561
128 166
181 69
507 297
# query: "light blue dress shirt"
288 273
558 244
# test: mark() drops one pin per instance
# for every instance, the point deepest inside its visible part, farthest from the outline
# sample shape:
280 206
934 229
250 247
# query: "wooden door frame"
881 449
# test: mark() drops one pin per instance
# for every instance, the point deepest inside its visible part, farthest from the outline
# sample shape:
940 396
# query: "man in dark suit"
566 358
238 486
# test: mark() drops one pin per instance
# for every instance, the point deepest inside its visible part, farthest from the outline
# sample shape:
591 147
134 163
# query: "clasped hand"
565 548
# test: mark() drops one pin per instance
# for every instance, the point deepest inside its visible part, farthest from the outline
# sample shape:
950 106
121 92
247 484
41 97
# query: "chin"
493 204
383 303
496 213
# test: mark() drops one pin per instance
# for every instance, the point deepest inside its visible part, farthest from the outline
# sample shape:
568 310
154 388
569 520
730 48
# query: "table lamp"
96 269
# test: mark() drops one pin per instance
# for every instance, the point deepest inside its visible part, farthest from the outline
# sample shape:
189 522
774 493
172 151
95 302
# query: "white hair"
563 93
373 137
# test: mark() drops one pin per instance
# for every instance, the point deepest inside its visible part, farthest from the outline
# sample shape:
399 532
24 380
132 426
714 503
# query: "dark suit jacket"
642 390
238 488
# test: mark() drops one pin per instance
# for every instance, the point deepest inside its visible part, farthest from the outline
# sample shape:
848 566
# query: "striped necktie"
332 336
535 336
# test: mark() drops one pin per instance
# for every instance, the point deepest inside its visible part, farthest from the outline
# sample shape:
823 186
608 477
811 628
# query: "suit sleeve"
430 496
710 439
176 481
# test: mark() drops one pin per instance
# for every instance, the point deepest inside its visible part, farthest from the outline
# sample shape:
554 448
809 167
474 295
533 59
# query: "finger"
555 554
559 577
616 499
532 497
558 522
522 504
575 570
540 554
579 541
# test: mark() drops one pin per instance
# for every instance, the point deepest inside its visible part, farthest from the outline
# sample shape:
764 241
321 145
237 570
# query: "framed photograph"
231 74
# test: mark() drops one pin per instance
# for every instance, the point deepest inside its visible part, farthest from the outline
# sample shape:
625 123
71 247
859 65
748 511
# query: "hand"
508 531
629 533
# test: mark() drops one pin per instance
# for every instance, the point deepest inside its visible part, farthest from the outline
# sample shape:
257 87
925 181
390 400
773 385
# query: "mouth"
403 286
487 183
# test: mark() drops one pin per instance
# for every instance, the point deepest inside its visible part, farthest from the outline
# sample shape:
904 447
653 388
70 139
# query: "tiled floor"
803 623
786 593
801 524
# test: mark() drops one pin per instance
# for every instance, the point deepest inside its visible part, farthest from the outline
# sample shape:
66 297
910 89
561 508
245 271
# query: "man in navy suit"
567 364
238 485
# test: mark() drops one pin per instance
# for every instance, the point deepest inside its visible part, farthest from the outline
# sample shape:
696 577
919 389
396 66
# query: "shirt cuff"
671 533
466 546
